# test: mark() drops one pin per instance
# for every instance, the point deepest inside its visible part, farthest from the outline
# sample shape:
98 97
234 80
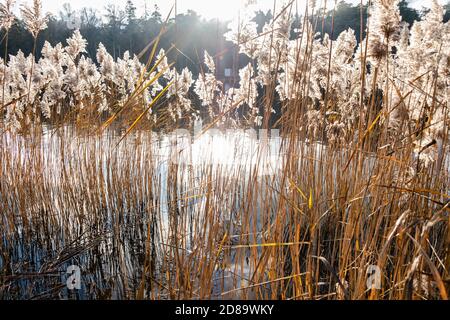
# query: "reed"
358 177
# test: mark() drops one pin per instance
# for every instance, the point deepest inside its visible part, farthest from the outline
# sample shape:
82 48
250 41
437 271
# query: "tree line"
121 29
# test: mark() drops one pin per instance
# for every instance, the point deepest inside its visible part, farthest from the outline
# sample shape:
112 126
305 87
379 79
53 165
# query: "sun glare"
215 9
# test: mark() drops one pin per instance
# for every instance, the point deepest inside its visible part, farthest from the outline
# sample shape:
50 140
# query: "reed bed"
358 177
143 226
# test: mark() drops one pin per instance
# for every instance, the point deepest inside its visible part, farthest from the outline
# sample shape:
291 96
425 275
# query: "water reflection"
111 208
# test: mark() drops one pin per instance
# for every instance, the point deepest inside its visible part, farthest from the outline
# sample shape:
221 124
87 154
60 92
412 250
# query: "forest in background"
121 29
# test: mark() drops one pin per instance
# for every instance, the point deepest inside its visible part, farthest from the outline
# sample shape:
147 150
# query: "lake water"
152 202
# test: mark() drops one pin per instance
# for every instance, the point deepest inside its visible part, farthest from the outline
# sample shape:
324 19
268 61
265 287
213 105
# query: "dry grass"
142 227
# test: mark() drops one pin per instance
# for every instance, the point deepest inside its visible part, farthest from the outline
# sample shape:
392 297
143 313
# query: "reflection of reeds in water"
359 180
142 227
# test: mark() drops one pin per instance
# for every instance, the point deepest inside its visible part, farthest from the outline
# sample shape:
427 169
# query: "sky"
210 9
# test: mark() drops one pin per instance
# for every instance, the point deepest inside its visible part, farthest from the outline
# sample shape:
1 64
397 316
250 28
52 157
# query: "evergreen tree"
447 12
122 29
156 15
130 11
115 21
408 14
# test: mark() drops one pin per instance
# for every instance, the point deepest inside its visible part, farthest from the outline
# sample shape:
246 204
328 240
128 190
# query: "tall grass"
334 203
